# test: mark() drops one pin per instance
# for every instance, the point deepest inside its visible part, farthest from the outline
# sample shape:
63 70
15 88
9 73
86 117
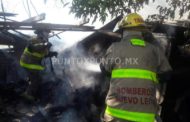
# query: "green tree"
179 7
102 8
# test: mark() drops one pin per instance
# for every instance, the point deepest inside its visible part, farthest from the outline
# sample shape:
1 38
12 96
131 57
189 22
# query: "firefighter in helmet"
37 49
136 67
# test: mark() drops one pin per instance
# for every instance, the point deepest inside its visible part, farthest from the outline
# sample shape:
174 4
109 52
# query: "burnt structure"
85 104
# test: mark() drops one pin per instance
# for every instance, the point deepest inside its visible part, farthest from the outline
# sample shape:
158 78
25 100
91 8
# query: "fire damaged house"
75 92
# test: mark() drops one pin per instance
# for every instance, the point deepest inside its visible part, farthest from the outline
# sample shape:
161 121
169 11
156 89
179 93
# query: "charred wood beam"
7 14
48 26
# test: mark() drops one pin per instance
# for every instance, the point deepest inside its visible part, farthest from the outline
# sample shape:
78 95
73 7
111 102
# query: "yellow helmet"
132 20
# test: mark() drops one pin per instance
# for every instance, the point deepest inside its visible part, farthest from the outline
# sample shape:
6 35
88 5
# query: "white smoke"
94 67
79 72
73 63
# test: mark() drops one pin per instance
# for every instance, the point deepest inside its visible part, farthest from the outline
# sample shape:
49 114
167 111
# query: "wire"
28 8
34 7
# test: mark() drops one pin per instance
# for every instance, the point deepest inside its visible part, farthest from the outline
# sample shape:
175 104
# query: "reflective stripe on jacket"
134 73
133 115
32 60
129 115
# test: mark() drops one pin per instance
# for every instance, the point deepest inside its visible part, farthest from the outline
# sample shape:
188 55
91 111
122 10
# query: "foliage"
175 7
102 8
94 9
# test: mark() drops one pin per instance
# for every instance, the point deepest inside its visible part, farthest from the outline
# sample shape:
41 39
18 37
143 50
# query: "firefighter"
136 67
31 59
